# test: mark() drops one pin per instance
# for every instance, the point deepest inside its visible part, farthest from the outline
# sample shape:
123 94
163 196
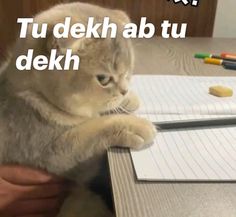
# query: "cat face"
103 79
106 65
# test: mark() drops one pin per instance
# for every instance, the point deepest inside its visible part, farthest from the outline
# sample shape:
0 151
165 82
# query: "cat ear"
122 16
62 44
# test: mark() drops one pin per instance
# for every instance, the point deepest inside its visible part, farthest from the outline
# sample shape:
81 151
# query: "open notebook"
186 155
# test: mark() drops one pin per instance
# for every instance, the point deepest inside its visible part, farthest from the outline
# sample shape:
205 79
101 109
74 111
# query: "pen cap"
228 55
213 61
202 55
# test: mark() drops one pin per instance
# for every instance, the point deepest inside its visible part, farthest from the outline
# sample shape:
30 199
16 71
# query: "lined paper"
186 155
183 95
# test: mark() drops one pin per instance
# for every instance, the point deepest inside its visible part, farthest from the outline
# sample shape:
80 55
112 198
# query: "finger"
31 207
25 175
43 191
54 214
38 215
40 191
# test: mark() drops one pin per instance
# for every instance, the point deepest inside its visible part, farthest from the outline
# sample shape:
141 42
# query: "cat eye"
104 80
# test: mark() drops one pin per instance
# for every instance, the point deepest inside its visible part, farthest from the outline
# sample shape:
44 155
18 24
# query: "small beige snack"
221 91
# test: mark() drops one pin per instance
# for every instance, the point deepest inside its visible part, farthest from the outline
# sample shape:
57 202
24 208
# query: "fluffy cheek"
115 103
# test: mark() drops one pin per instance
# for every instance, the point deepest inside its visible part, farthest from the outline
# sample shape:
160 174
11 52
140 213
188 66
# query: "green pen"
206 55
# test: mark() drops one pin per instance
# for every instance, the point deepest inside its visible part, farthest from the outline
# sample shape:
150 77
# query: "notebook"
186 155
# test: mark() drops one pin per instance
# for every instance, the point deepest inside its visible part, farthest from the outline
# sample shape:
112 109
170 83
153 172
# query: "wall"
225 19
200 20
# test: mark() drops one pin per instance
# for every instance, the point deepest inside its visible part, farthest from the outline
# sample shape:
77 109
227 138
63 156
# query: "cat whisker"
124 110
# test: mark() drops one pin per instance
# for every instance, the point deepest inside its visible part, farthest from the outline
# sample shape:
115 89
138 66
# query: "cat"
64 121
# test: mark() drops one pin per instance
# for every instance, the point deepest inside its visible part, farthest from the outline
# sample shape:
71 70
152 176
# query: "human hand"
26 192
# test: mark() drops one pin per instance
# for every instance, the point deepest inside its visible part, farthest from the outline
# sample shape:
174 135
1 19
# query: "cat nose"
124 91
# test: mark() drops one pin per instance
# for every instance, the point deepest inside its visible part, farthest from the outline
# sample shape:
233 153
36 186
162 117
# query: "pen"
219 62
229 56
231 66
203 56
193 124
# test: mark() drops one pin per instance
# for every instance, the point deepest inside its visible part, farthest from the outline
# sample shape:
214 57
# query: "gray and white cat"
52 119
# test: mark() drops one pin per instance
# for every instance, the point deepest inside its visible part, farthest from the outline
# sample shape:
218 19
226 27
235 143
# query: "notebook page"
191 155
183 95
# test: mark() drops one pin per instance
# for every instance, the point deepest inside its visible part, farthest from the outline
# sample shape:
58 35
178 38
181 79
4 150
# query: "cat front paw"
134 132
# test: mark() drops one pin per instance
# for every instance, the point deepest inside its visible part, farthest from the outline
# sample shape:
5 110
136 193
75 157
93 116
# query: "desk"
134 198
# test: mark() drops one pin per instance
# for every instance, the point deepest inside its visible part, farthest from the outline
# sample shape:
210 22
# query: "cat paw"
134 132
